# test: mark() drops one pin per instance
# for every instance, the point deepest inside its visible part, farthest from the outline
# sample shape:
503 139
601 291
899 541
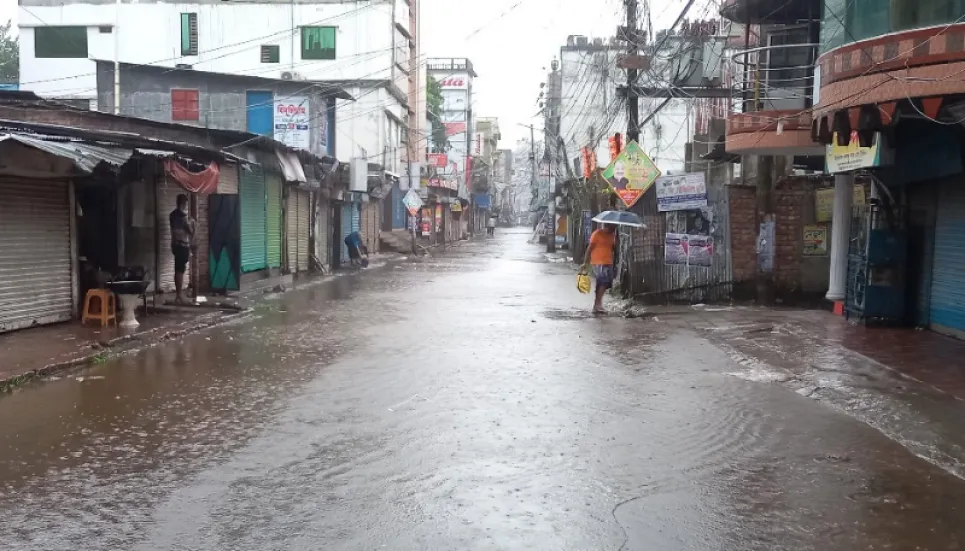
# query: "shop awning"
84 156
291 167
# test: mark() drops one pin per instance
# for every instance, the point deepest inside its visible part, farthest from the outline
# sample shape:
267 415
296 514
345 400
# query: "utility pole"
633 101
534 186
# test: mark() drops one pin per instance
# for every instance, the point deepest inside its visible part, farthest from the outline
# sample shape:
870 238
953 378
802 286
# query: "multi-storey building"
368 47
869 89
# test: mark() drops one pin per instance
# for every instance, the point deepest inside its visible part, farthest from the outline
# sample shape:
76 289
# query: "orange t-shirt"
602 243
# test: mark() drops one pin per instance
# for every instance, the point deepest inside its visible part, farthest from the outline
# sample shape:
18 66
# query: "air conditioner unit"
291 75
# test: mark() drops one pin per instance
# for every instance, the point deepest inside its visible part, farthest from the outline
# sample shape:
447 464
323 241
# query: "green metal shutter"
252 191
273 224
947 310
346 228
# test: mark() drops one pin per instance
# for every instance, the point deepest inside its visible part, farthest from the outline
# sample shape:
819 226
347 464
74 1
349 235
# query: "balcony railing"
777 77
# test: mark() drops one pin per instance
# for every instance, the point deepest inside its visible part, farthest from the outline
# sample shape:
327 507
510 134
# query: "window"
60 42
184 105
318 42
189 34
270 53
105 29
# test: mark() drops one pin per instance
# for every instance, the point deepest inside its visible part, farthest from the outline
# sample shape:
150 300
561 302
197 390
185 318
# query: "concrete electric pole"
633 99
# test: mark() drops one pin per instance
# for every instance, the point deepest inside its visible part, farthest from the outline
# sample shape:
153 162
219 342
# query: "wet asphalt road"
463 402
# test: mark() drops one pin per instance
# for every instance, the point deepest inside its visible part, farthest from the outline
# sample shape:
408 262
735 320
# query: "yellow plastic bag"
583 281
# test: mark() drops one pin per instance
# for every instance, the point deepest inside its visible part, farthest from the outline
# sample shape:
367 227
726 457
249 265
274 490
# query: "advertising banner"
438 160
844 158
681 192
688 250
631 174
815 241
824 202
454 128
291 121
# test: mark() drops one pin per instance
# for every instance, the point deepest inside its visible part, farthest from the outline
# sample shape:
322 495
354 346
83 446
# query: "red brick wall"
743 232
794 208
202 253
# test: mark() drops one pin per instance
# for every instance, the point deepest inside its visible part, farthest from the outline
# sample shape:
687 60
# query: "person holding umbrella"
599 254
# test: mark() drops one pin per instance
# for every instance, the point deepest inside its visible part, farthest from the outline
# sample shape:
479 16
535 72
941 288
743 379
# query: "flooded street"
469 401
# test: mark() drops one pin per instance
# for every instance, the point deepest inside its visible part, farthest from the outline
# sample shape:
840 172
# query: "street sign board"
631 174
412 202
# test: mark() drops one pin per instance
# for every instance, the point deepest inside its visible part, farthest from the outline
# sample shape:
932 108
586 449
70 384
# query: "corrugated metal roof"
85 156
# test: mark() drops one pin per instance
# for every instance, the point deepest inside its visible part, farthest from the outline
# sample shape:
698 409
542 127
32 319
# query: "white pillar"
840 233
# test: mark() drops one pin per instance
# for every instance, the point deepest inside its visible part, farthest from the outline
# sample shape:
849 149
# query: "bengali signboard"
681 192
412 202
815 241
631 174
844 158
824 202
291 122
438 160
688 250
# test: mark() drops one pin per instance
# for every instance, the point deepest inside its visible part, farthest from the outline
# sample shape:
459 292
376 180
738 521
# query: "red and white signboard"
291 121
454 82
454 128
438 160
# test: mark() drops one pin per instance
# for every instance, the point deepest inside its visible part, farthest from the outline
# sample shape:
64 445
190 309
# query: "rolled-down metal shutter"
36 286
304 225
228 181
347 227
947 308
167 200
254 255
323 242
273 223
291 230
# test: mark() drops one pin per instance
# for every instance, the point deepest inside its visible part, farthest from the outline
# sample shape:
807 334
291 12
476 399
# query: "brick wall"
743 232
794 208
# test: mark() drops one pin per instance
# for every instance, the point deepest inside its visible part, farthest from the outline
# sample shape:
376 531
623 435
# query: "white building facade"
367 43
591 110
455 77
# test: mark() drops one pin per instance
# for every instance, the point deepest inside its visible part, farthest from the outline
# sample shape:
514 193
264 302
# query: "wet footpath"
469 402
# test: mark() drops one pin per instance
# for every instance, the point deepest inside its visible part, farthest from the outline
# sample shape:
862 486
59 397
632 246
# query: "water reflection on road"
460 402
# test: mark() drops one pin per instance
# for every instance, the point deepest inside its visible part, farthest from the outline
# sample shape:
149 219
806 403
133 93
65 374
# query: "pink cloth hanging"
205 181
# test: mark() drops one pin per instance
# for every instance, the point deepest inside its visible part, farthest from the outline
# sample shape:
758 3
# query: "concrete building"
368 45
590 110
454 169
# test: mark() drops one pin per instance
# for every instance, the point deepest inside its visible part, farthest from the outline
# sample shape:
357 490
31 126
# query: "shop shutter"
273 224
323 233
291 230
167 198
228 182
252 190
948 276
347 225
36 285
304 224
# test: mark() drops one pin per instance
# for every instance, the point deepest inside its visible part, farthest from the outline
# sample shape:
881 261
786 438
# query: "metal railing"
775 77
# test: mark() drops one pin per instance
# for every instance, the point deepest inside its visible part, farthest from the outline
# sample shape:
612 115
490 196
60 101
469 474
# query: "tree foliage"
9 54
439 140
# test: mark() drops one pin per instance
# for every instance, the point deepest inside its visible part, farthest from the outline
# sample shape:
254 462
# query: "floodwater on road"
466 401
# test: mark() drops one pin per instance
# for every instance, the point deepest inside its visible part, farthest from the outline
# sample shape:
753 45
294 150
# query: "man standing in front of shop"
182 235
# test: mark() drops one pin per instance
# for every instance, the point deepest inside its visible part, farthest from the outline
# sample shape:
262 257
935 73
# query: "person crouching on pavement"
599 254
353 242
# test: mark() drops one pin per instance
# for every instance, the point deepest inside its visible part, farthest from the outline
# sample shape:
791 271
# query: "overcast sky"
511 44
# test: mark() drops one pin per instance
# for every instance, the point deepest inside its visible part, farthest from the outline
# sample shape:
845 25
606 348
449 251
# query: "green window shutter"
60 42
189 34
318 42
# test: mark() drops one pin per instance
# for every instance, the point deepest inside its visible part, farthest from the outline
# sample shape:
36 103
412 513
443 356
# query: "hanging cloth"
205 181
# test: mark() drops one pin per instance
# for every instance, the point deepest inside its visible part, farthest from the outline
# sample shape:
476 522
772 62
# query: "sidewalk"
30 353
801 339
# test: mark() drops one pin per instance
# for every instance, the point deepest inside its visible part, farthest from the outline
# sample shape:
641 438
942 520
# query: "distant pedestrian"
182 237
599 254
356 248
491 225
